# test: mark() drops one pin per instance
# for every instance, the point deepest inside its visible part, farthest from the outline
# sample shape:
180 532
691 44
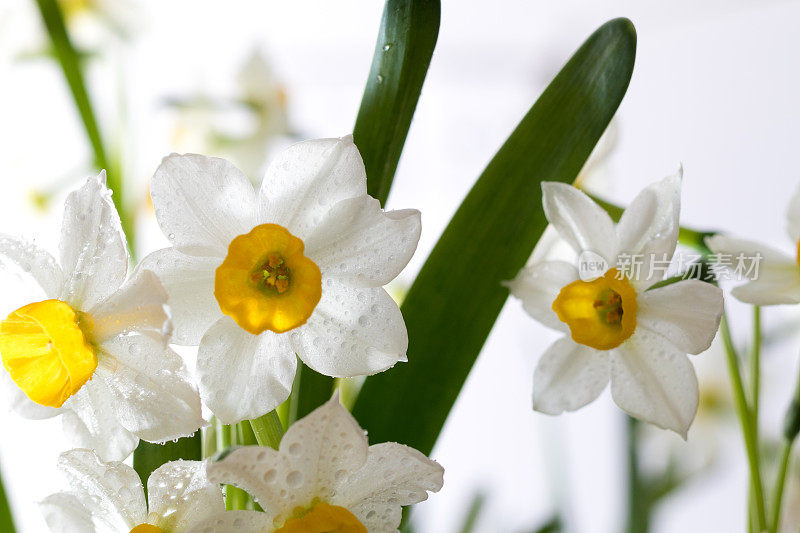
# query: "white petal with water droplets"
181 494
235 522
189 282
317 454
18 402
111 491
94 257
244 376
569 375
153 395
65 513
393 476
90 421
202 203
687 313
352 332
538 285
579 220
654 381
360 244
33 261
304 181
648 229
138 306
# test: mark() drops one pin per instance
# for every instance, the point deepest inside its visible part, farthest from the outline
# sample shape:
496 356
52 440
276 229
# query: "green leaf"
6 519
406 40
148 456
458 294
72 68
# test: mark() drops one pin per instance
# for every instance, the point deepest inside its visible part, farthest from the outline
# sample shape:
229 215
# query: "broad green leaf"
406 39
458 294
72 68
148 456
6 520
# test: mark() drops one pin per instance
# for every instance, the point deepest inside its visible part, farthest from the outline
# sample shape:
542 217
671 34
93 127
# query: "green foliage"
450 310
6 520
148 456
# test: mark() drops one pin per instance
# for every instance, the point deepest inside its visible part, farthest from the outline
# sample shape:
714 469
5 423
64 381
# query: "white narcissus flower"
777 278
618 328
94 350
325 477
107 497
299 267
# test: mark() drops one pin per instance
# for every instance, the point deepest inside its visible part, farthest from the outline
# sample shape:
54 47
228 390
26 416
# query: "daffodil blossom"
618 328
325 477
777 278
94 349
107 497
299 267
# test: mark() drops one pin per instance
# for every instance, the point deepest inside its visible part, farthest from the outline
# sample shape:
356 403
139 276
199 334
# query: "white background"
715 87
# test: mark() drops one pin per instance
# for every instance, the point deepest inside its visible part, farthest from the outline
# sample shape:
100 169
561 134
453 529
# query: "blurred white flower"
618 330
325 477
254 278
778 279
95 349
241 129
109 498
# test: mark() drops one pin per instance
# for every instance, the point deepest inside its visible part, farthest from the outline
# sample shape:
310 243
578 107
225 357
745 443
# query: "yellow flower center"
600 313
265 281
324 518
147 528
46 347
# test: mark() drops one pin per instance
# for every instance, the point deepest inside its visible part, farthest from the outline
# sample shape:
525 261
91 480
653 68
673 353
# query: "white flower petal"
778 279
202 203
569 375
111 491
352 332
304 181
654 381
244 376
182 495
65 513
538 285
32 260
793 217
94 257
152 392
394 476
18 402
316 454
687 313
648 229
138 306
360 243
579 220
189 281
235 522
90 421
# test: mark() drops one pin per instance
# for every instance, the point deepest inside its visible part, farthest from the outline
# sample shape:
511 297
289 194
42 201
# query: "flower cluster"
259 279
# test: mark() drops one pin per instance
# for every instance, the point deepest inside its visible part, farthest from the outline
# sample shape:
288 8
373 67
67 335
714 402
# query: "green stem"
791 427
638 507
71 67
6 518
268 430
755 367
743 412
210 439
780 481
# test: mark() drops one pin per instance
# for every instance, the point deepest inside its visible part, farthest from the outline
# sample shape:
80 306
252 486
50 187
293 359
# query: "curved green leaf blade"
406 40
449 311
